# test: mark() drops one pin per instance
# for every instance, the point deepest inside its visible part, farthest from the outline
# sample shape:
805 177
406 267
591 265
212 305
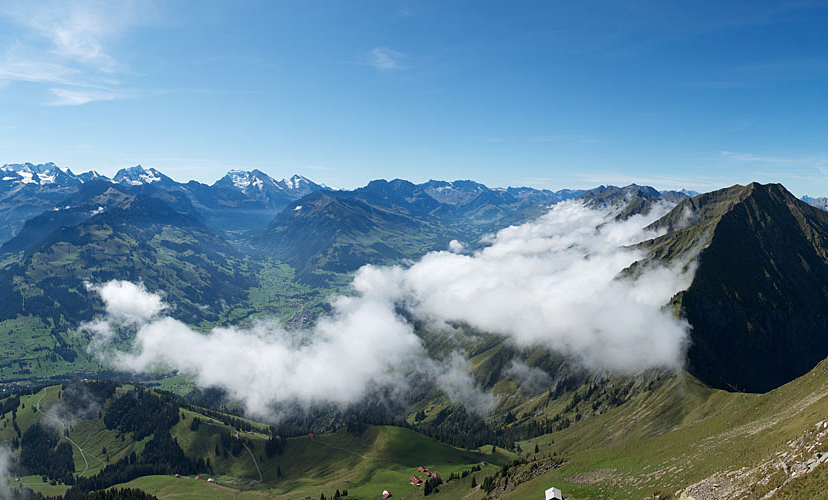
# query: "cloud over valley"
553 282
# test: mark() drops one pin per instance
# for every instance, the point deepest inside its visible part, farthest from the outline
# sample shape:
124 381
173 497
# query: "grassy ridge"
676 435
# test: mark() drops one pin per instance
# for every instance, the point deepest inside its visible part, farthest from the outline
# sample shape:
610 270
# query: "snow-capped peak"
245 179
138 175
298 185
296 182
40 174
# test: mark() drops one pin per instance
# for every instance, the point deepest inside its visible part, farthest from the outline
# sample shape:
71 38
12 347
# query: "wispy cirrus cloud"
65 45
77 97
386 59
756 158
805 170
564 138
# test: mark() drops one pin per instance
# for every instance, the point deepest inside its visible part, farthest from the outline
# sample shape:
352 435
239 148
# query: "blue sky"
548 94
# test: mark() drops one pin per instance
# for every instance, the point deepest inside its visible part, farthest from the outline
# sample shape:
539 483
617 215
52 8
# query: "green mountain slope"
676 437
141 239
361 459
324 233
684 437
126 237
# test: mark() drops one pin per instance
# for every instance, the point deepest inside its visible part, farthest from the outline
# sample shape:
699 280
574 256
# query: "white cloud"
456 246
66 43
386 59
70 97
16 65
6 460
455 379
78 31
532 380
362 345
553 282
751 157
127 302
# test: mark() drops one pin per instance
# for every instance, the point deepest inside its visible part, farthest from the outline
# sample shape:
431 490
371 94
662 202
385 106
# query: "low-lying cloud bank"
551 282
6 461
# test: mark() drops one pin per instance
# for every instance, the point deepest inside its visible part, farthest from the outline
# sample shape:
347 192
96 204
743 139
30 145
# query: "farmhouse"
385 494
415 480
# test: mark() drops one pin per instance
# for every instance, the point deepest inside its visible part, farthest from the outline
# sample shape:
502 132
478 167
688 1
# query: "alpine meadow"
402 249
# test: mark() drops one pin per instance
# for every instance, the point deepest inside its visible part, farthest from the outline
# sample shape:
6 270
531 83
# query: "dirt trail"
254 461
62 428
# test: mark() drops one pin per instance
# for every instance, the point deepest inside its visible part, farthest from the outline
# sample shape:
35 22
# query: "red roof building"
415 480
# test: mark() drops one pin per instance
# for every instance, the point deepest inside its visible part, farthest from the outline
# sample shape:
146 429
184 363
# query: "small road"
254 461
62 427
83 455
222 426
37 405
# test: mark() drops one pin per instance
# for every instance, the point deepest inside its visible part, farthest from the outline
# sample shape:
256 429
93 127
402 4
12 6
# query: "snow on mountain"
299 186
251 182
38 174
90 175
821 202
139 175
454 193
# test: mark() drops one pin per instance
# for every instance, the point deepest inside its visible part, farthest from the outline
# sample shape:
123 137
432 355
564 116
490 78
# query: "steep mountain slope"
326 232
137 238
683 440
91 199
758 304
400 196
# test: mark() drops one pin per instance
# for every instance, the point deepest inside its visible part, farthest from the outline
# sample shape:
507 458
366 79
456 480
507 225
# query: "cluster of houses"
416 481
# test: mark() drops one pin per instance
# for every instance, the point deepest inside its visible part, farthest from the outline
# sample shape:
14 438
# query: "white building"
554 494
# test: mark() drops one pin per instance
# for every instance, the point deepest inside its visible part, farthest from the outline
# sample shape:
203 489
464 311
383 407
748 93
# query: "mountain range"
239 200
250 246
760 253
